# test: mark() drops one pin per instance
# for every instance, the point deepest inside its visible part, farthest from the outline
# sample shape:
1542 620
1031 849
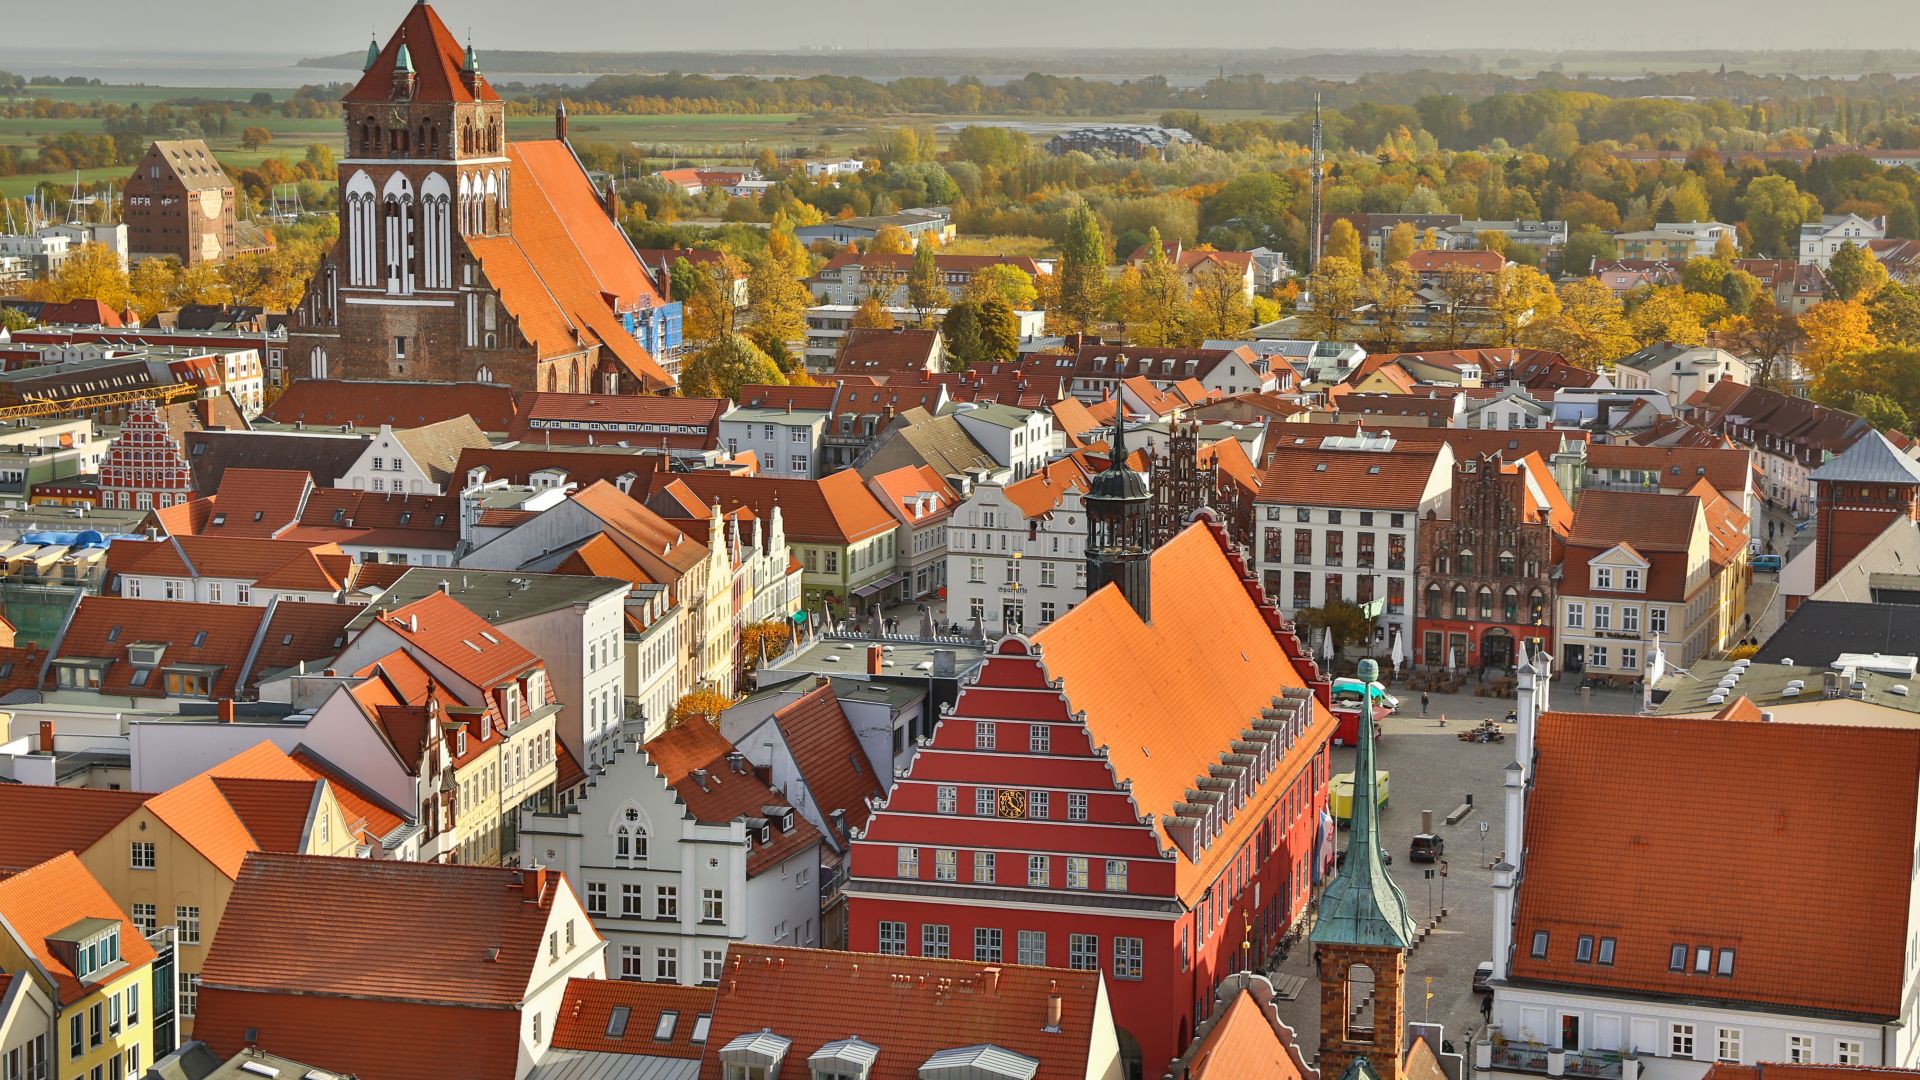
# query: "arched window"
1359 1003
1459 601
1506 564
1466 560
1486 602
1433 601
1510 607
630 837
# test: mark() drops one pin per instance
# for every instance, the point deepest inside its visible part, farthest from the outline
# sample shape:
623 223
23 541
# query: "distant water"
266 71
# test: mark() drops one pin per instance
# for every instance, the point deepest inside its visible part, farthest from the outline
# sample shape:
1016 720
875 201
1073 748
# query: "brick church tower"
1360 942
462 256
1856 496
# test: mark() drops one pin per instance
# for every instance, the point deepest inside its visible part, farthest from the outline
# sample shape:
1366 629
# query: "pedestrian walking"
1424 699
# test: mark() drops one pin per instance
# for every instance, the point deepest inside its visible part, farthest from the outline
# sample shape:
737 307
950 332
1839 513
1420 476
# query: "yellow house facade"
79 1001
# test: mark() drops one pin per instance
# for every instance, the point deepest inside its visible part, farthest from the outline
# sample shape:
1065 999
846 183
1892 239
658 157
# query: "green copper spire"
373 54
1363 906
404 61
473 62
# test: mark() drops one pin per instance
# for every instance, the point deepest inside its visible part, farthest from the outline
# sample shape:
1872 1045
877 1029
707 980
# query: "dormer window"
1603 577
847 1059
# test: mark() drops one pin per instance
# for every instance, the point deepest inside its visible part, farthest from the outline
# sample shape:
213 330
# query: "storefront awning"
872 587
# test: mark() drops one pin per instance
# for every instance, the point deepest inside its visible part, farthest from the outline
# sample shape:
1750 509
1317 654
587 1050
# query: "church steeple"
1119 507
373 54
1364 930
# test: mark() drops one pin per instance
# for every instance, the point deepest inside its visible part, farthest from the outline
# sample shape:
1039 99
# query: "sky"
309 27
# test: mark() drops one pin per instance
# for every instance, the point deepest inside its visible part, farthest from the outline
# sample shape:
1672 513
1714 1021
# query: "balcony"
1545 1060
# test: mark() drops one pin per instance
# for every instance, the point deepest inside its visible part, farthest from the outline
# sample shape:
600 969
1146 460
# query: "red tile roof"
51 896
1433 261
899 490
387 1040
400 404
103 626
928 1006
829 758
244 804
660 547
1626 793
729 790
437 61
1042 492
836 509
370 911
1679 467
369 816
867 351
462 642
588 1005
291 565
1385 480
604 248
1099 648
1245 1039
44 821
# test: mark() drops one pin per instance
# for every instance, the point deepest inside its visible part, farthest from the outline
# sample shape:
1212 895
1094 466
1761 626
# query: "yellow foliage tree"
1401 242
775 634
1002 282
703 704
91 272
1589 330
873 315
1665 314
1343 242
1520 295
891 240
1835 331
151 285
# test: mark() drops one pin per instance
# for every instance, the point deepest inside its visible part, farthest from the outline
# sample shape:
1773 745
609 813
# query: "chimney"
700 777
612 202
446 587
533 883
46 736
876 654
226 710
560 121
1053 1011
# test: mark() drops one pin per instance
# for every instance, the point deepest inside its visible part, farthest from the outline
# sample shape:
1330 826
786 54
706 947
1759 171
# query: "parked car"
1766 564
1427 848
1481 976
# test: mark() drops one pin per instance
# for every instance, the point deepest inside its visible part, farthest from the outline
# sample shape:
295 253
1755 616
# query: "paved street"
1433 770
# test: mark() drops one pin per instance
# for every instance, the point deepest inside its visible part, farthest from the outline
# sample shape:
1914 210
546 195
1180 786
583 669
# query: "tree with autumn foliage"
1519 296
1589 329
1152 301
1334 289
871 314
720 369
1669 313
1393 292
703 704
1766 336
775 635
91 272
1219 303
890 240
1835 330
1002 281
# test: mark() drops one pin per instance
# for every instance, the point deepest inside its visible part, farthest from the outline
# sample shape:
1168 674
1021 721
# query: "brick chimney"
226 710
533 883
876 655
46 736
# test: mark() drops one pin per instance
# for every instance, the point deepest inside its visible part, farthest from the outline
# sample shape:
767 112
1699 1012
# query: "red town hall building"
1138 788
145 467
462 256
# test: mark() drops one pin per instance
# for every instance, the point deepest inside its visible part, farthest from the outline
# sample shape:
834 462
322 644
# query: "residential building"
933 221
923 502
170 651
179 203
1655 245
1857 497
230 570
463 255
1820 239
520 938
1098 368
1375 228
1020 440
366 405
680 849
852 277
942 1018
1016 554
1706 235
1674 470
1642 568
1122 141
81 997
1790 437
1198 266
417 461
1339 519
1678 370
172 861
1687 969
1052 818
1486 571
818 170
1243 1032
785 442
890 351
574 622
829 324
655 634
734 183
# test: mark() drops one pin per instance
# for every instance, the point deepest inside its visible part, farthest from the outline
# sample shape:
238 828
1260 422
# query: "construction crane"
32 406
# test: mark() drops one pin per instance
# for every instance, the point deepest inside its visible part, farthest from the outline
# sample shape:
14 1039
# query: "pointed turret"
403 61
1119 508
373 54
472 64
1363 906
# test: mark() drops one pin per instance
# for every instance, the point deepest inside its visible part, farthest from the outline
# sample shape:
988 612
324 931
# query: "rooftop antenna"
1319 163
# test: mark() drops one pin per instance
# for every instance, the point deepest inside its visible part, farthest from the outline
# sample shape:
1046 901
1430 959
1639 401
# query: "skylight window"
617 1022
700 1025
1678 960
199 639
1725 970
663 1029
113 634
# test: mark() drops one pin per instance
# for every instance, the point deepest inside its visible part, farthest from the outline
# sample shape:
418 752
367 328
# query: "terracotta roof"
929 1006
241 805
1099 647
1042 492
898 349
836 509
81 312
604 248
1071 418
103 627
587 1009
901 263
384 1039
1546 492
254 502
1679 467
661 548
635 420
436 447
462 642
1369 480
1229 455
302 630
1780 1070
369 815
542 274
828 756
899 490
270 564
45 821
1245 1039
730 789
1653 522
41 901
437 61
1625 792
332 402
1434 261
1726 524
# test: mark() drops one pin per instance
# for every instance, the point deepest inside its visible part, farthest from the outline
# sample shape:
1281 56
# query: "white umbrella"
1326 643
1397 657
1657 663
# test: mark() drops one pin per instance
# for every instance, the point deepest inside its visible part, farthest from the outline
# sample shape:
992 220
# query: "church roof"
1363 906
435 57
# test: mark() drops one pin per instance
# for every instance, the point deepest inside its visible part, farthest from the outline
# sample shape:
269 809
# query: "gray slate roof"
1872 460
